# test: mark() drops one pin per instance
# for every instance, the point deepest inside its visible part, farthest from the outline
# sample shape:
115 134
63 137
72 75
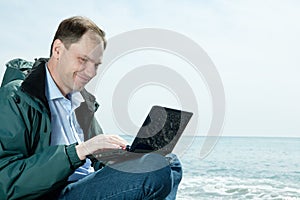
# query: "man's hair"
72 29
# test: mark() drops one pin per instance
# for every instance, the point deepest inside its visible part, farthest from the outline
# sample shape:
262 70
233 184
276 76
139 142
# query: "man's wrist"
81 152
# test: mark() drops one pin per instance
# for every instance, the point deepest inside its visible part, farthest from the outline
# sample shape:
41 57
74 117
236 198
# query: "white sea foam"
234 188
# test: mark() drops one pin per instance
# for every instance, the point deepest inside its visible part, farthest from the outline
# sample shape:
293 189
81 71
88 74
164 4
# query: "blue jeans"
150 177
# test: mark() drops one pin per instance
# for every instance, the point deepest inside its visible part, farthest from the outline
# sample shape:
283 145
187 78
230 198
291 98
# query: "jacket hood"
16 69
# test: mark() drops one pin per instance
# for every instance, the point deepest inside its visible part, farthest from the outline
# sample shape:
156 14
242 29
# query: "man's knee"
176 167
159 183
167 170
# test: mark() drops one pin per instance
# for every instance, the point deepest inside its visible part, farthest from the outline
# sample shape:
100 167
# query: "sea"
242 168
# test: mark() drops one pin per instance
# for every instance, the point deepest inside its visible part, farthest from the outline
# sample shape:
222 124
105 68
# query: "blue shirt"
65 128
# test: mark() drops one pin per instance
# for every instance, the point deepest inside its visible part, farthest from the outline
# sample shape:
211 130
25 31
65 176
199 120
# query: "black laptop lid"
161 130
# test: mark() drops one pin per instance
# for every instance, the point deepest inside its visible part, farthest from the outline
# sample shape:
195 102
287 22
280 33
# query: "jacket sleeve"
29 169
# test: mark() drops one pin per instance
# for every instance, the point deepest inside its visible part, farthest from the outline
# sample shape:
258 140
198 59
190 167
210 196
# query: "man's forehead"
93 51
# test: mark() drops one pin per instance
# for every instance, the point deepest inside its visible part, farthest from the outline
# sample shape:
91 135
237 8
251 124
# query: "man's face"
78 64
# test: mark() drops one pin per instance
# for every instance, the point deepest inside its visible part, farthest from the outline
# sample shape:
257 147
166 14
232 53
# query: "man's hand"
99 143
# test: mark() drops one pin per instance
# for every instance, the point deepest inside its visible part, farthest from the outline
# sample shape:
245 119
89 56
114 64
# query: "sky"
253 44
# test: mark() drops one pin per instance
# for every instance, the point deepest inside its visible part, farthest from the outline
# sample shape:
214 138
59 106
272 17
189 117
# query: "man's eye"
83 60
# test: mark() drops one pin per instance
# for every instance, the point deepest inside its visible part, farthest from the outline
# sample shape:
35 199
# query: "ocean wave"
222 187
242 168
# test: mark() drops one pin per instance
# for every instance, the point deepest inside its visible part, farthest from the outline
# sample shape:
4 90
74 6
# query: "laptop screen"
161 130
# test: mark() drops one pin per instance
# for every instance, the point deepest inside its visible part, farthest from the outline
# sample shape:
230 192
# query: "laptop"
159 133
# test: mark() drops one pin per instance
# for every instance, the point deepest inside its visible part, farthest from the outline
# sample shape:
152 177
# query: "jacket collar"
35 84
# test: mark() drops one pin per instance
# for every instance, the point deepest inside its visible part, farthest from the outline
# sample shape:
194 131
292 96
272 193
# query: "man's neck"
52 66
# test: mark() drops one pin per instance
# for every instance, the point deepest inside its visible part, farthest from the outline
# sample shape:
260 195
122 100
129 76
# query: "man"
48 130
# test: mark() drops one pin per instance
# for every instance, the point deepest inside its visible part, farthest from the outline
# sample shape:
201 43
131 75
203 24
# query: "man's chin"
78 88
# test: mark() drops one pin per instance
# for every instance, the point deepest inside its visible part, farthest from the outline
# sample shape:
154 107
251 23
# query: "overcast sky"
254 45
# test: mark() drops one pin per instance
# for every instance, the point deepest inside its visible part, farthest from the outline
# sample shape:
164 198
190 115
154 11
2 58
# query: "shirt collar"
76 99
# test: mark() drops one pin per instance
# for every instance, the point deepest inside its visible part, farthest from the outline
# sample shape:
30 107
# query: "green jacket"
29 167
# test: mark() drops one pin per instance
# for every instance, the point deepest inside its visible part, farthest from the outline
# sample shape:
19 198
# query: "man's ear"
57 48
